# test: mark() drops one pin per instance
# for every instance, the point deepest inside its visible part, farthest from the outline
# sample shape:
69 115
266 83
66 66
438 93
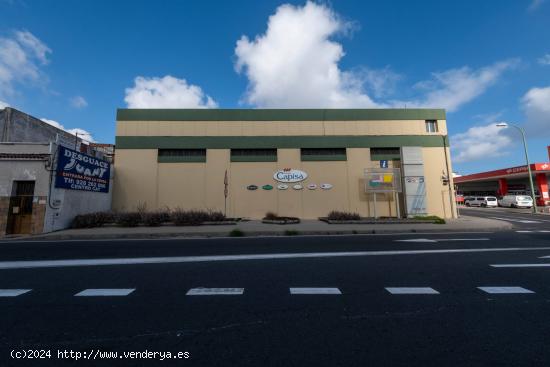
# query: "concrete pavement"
256 228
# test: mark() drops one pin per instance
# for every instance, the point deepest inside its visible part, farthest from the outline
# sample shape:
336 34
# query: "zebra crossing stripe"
13 292
411 290
215 292
299 290
105 292
505 290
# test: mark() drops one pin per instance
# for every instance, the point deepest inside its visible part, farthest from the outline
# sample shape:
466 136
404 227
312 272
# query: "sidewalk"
257 228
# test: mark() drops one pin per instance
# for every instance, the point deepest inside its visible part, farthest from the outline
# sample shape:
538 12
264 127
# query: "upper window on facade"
254 155
431 126
181 155
323 154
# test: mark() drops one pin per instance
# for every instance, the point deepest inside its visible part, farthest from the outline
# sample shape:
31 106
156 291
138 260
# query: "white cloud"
79 102
20 59
83 134
166 92
452 88
535 4
295 63
536 104
3 105
480 142
544 60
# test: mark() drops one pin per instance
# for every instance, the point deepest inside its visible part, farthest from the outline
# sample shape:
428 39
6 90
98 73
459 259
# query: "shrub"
236 233
434 218
336 215
215 216
92 220
195 217
270 216
154 219
128 219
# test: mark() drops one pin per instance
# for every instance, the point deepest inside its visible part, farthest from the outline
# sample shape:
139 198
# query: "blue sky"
75 62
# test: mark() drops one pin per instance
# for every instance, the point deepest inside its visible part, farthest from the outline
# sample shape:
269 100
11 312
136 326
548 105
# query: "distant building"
37 193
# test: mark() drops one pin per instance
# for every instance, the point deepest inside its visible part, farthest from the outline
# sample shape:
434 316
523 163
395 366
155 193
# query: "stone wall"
4 207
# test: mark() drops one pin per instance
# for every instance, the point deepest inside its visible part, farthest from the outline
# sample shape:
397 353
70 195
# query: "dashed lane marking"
215 292
505 290
13 292
105 292
411 290
315 291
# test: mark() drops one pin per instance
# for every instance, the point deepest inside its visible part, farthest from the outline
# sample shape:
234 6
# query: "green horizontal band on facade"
181 159
254 158
278 114
323 158
281 142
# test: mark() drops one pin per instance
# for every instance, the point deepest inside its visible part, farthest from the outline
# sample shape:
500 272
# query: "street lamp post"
533 196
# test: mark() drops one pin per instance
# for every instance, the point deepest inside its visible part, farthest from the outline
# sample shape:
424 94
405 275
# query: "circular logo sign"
289 175
326 186
252 187
267 187
297 187
282 187
312 186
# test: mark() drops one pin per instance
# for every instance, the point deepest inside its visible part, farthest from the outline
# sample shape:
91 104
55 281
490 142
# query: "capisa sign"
289 175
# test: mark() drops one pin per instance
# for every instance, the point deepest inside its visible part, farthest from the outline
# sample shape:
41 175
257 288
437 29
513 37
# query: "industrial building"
293 162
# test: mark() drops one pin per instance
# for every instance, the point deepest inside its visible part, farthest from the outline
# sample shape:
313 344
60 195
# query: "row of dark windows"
307 152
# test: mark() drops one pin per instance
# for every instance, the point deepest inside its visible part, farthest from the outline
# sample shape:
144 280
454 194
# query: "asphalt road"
352 320
522 219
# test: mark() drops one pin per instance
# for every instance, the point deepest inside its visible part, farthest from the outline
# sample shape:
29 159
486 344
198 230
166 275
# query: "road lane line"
105 292
211 258
545 265
517 220
505 290
215 292
301 290
13 292
524 231
411 290
442 239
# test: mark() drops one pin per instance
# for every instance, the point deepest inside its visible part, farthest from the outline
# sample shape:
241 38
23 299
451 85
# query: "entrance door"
20 209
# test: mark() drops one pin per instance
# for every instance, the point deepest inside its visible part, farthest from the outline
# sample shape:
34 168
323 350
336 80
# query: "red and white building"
513 180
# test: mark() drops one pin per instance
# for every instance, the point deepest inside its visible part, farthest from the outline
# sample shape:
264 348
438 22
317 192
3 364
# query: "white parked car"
483 201
516 201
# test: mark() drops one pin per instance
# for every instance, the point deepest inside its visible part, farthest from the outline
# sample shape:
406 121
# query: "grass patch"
236 233
434 218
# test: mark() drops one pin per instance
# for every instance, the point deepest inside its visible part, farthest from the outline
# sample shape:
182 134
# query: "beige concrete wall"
437 195
274 128
140 179
135 179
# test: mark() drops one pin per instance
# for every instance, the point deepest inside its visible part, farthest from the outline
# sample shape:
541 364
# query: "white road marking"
504 290
524 231
105 292
193 238
210 258
544 231
411 290
520 265
315 291
442 239
215 292
13 292
517 220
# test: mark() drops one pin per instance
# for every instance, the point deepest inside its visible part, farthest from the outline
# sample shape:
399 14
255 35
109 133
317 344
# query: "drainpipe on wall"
448 176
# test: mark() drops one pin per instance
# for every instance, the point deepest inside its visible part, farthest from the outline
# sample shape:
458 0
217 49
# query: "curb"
250 234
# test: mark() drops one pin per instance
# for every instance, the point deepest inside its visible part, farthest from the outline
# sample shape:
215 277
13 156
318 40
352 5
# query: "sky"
73 63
